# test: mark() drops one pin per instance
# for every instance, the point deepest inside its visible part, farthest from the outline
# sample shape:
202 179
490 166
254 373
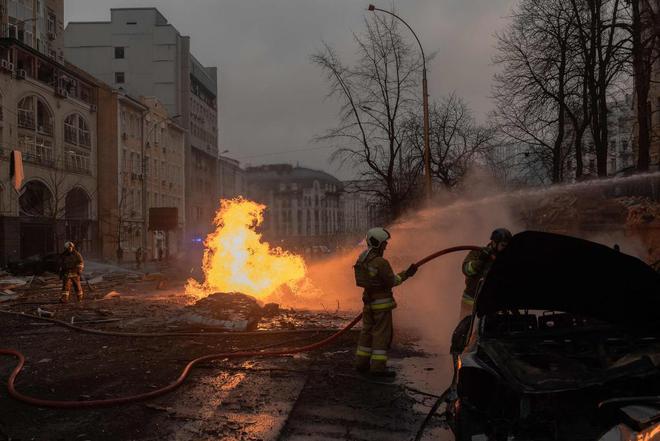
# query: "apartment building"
48 113
139 52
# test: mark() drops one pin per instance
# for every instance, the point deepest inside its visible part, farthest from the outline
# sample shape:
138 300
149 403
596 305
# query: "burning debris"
232 311
237 260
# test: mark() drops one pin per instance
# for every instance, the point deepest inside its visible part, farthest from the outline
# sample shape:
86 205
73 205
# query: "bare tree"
644 30
377 94
116 219
54 200
539 83
604 50
457 141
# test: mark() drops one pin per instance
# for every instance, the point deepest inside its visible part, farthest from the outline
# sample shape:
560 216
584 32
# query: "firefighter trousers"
375 340
67 283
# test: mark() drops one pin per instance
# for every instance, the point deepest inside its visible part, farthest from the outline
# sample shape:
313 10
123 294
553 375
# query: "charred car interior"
563 344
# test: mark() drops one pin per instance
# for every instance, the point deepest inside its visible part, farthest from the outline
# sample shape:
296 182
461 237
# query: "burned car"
563 344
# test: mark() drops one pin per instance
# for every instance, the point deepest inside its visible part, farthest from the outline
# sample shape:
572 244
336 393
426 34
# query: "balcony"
39 67
44 157
77 162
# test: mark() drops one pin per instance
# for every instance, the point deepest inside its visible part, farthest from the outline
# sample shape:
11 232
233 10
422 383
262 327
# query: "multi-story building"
359 209
49 115
35 23
303 205
142 152
620 133
231 178
141 53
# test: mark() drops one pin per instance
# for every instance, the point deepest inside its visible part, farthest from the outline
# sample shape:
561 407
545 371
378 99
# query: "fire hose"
89 404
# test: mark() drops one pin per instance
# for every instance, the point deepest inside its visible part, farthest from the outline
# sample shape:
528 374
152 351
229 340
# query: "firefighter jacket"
71 263
374 273
475 267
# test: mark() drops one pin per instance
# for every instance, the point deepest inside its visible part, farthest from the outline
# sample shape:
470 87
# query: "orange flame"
236 259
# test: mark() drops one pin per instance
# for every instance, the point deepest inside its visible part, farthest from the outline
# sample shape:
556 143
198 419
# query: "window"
41 120
119 77
77 161
119 52
76 131
51 22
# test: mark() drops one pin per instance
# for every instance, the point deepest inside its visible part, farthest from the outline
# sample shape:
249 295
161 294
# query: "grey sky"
272 99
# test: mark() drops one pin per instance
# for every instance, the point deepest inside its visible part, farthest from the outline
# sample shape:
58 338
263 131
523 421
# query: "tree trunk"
642 77
579 161
602 147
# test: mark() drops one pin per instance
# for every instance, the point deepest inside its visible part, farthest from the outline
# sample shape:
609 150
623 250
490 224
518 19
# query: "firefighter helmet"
501 235
376 236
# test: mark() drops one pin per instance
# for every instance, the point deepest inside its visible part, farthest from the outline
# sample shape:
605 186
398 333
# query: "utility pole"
425 103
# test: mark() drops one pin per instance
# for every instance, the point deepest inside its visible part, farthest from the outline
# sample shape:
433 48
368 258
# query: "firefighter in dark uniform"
71 267
477 264
375 275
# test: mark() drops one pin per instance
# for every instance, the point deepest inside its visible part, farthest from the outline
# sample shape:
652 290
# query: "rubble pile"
572 213
587 214
641 211
231 311
240 312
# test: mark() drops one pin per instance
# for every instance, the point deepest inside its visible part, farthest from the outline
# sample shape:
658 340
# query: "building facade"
359 210
303 205
231 178
142 152
49 115
621 152
38 24
140 52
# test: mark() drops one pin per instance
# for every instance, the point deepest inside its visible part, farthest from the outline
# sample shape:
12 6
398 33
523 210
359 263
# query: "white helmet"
68 244
376 236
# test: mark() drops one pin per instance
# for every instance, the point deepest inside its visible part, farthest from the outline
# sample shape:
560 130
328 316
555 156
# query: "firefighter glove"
487 253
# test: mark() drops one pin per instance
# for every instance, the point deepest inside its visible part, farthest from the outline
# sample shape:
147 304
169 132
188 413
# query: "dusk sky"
272 98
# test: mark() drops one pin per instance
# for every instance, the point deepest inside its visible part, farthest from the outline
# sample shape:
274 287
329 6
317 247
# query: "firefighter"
375 275
71 266
477 264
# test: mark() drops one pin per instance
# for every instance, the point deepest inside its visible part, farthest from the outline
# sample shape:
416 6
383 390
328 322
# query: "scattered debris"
112 295
44 313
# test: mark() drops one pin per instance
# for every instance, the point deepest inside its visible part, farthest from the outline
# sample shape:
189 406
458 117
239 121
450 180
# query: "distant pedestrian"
120 255
160 253
138 258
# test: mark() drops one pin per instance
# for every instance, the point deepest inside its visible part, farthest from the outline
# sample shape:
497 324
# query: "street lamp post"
425 101
144 175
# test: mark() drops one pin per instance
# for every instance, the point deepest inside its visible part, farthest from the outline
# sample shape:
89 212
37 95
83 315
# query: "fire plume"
237 260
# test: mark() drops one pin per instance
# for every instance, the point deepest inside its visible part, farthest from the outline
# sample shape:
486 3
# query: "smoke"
429 303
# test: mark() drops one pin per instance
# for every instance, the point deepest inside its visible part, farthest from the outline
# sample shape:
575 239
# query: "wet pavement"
311 396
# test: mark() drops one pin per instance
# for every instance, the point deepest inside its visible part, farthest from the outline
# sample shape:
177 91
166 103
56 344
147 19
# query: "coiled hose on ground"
88 404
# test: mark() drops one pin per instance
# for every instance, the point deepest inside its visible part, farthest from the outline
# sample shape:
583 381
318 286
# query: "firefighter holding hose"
71 267
374 273
477 264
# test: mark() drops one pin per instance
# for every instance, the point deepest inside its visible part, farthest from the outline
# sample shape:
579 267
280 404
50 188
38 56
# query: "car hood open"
544 271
